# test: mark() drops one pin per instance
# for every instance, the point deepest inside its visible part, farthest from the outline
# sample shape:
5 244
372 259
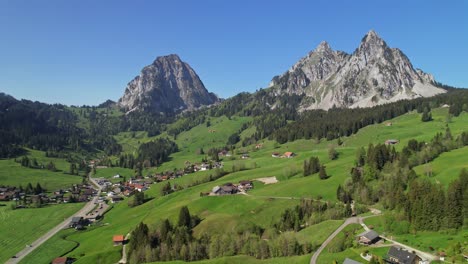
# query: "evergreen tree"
454 207
322 173
360 157
184 217
307 168
426 115
332 153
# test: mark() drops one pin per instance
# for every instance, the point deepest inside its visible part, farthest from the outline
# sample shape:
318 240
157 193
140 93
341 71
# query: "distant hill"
373 74
168 85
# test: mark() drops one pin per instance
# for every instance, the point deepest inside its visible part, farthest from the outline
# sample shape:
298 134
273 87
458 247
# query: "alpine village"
344 158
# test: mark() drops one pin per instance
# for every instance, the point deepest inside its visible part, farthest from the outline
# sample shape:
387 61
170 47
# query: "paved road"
82 212
359 220
352 220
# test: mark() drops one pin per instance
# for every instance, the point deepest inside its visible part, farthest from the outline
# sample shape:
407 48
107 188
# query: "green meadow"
21 227
264 204
13 174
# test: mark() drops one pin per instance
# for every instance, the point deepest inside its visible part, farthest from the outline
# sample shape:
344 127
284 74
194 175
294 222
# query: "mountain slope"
374 74
167 85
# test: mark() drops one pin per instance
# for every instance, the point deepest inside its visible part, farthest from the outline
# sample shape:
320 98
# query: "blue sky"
84 52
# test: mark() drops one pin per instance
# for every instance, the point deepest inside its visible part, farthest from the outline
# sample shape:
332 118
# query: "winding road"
352 220
359 220
82 212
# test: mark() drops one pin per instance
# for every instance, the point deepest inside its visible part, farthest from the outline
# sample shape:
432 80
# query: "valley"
232 213
347 157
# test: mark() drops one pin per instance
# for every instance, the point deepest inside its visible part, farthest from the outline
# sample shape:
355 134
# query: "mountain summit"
167 85
373 74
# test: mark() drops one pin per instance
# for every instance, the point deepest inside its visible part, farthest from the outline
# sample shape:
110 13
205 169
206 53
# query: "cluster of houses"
8 193
76 193
230 188
189 168
115 192
395 255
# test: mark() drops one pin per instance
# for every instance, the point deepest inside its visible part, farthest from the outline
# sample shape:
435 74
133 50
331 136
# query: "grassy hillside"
264 204
13 174
446 167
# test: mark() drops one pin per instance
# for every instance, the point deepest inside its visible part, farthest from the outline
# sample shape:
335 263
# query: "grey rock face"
167 85
374 74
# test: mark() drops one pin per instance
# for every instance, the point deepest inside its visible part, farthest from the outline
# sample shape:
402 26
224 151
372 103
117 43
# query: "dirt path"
123 260
82 212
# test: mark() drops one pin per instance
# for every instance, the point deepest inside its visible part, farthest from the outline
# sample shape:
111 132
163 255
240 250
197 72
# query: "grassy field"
441 173
23 226
327 257
246 259
13 174
48 251
265 203
424 240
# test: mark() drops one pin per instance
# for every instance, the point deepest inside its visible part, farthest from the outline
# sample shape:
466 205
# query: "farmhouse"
116 199
391 141
118 240
289 154
275 154
76 221
225 189
245 185
397 255
368 237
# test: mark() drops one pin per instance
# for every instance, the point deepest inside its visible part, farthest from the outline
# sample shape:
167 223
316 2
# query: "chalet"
228 188
289 154
245 185
128 192
88 192
275 154
397 255
350 261
368 237
391 141
140 187
258 146
215 189
245 156
117 176
76 220
445 106
62 260
5 197
118 240
83 198
388 124
204 166
224 153
116 199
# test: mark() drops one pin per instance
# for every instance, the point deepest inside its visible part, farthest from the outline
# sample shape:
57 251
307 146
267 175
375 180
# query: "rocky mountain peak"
374 74
323 47
372 44
167 85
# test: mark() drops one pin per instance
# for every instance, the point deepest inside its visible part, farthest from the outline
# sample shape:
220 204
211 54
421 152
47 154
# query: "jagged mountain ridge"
167 85
373 74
